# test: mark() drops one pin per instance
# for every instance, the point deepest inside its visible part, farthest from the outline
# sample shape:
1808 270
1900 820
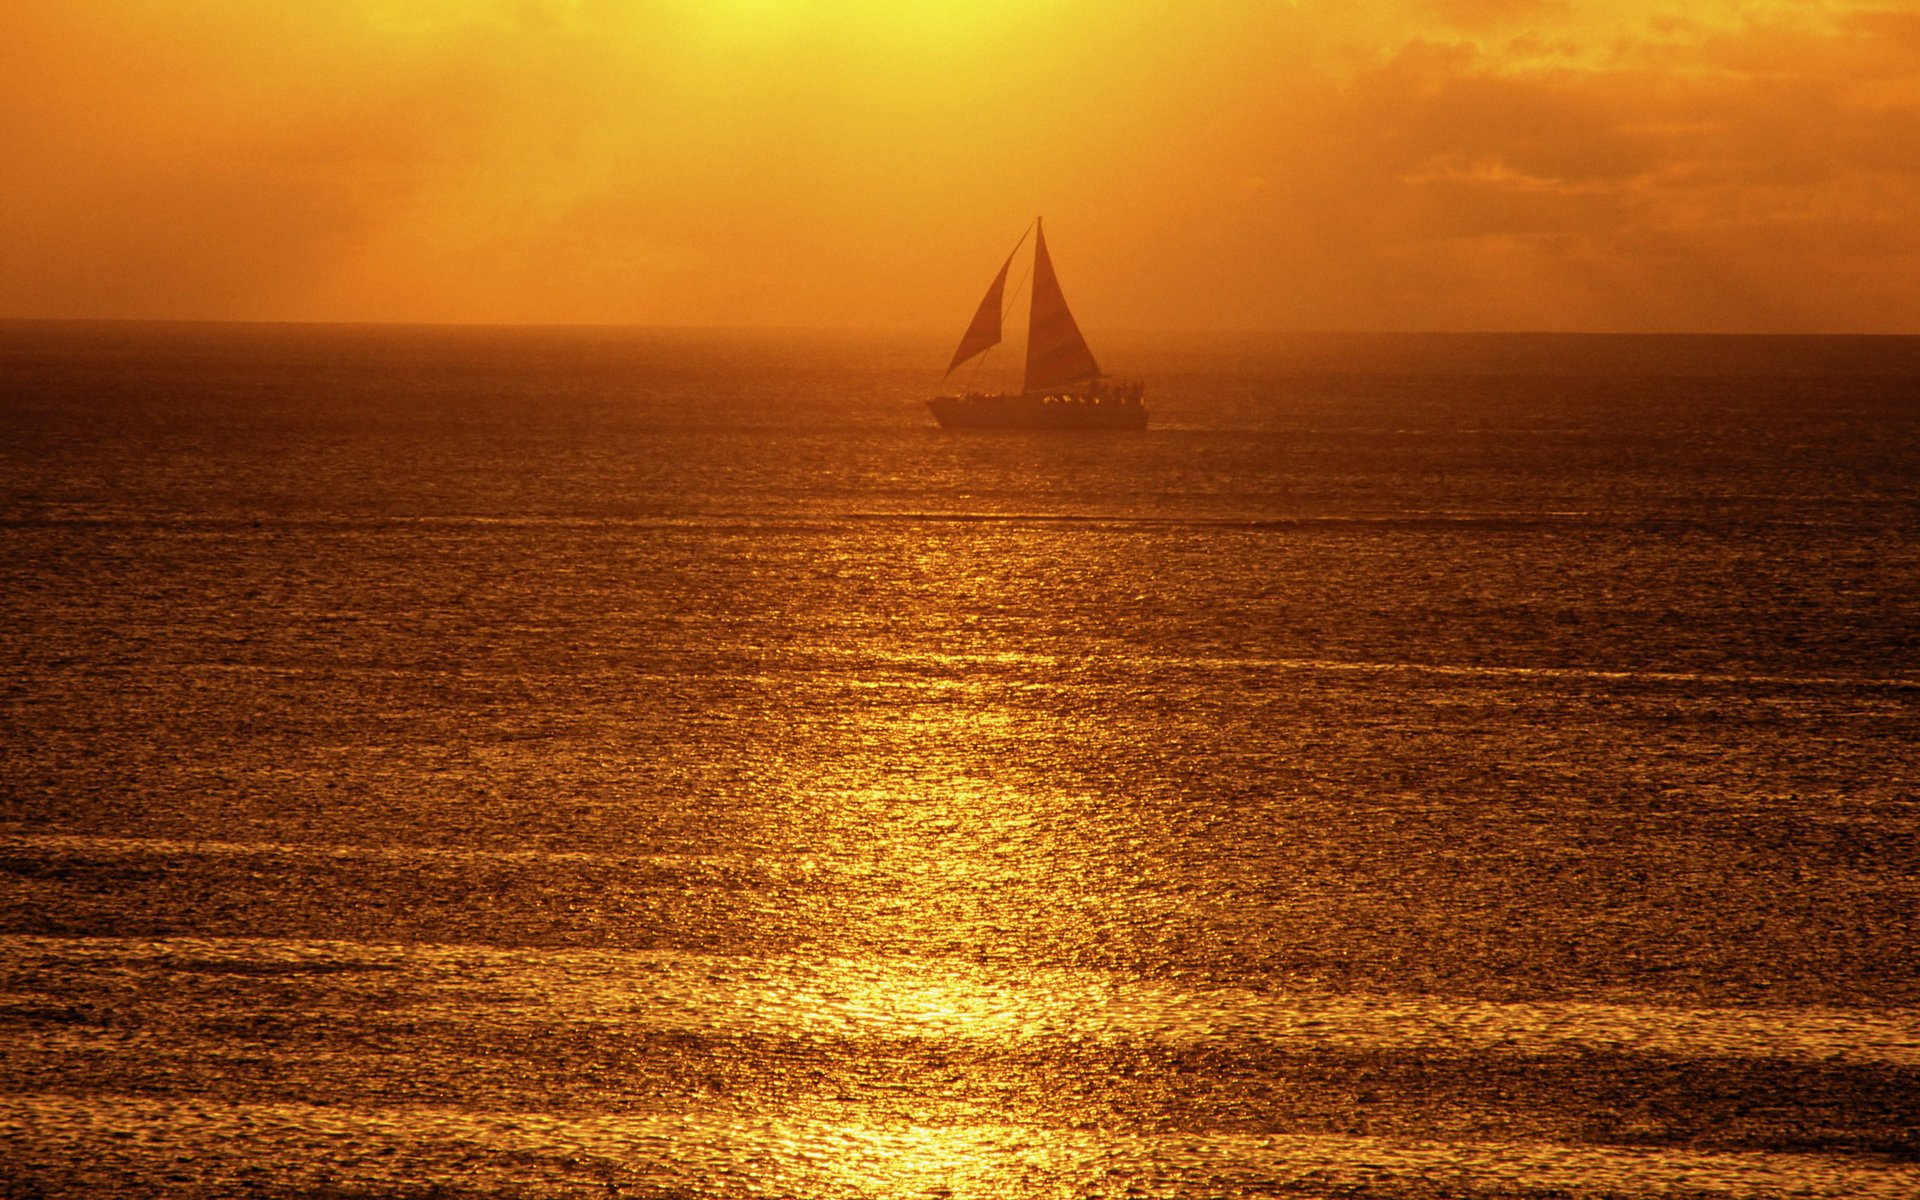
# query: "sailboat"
1063 388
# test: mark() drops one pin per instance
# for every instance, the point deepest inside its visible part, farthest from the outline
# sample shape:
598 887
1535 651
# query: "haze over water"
591 762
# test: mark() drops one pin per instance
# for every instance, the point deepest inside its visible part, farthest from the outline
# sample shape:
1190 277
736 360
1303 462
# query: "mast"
1057 353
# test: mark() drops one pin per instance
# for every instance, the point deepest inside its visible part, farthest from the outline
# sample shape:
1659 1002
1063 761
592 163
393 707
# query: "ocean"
470 762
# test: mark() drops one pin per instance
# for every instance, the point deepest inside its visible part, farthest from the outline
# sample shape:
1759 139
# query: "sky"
1592 165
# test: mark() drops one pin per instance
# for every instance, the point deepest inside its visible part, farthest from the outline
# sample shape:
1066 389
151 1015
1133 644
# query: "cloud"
1774 156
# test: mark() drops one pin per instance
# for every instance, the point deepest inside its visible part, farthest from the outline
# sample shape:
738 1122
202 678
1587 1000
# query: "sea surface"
538 763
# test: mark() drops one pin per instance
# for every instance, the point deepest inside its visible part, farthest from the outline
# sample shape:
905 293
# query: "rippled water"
568 763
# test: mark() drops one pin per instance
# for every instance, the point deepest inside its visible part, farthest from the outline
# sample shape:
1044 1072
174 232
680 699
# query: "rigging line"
973 370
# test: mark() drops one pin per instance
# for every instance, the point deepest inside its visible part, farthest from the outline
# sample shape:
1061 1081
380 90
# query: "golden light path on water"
967 1005
952 863
775 1155
931 837
922 830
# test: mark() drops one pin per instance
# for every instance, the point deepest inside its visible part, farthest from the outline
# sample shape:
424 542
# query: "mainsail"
1056 352
984 333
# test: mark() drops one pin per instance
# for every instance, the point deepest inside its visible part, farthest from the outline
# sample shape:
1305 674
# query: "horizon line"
1120 330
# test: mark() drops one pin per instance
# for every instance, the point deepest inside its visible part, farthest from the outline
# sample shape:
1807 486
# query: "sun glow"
1624 164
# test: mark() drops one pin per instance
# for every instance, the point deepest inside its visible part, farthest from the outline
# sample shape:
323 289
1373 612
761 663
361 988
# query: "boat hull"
1035 412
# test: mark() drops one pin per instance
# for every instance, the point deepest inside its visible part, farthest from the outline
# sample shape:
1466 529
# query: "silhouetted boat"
1063 387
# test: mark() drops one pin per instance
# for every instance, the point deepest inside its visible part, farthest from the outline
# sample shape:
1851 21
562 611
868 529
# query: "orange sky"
1326 164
